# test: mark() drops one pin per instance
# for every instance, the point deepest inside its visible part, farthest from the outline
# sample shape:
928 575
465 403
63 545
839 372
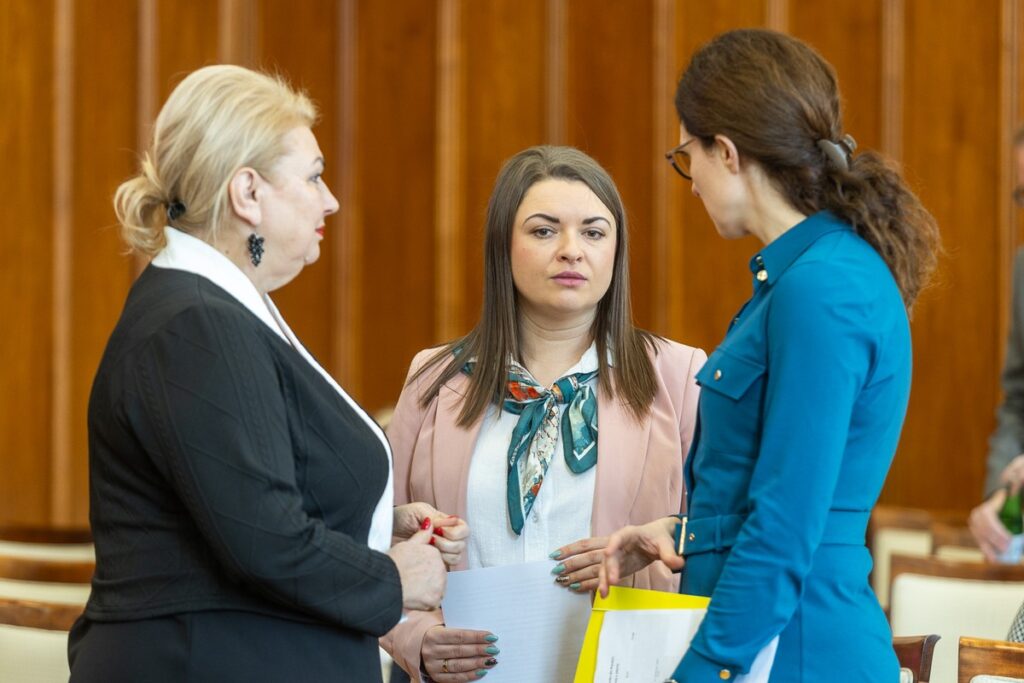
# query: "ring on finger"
444 666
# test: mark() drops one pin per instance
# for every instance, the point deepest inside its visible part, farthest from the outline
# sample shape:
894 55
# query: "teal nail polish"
480 673
491 650
574 586
491 638
559 568
555 554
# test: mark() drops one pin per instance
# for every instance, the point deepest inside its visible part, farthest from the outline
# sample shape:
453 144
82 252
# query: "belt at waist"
704 534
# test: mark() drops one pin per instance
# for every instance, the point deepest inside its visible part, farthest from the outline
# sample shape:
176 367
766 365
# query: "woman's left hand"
579 563
450 532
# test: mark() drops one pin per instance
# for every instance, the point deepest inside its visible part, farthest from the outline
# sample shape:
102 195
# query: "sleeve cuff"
695 668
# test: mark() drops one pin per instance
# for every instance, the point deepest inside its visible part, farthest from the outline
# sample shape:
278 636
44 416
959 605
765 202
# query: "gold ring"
444 666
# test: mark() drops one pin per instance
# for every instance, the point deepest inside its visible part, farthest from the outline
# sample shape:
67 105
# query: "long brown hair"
775 98
495 339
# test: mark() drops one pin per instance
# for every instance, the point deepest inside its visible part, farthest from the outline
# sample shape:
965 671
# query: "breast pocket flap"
729 375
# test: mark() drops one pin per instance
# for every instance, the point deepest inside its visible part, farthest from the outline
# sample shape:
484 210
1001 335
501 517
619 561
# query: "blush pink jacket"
639 465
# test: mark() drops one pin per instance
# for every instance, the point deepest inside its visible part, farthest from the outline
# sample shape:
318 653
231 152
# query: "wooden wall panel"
421 103
26 270
310 64
395 163
951 138
609 115
716 279
505 72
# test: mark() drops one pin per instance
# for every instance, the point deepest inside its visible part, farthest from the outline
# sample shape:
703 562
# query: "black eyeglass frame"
671 157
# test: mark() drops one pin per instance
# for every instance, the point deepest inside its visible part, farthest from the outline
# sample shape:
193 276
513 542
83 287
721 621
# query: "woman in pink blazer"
501 426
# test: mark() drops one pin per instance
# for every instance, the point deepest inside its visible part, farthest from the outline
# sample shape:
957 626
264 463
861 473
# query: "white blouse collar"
193 255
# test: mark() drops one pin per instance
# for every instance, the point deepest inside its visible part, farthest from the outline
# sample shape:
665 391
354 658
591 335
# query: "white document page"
539 624
645 646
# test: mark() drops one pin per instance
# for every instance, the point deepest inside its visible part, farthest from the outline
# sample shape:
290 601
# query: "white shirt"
190 254
560 514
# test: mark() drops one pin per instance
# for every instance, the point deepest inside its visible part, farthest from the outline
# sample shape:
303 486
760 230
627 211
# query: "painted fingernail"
480 673
575 586
439 531
425 524
555 554
491 661
562 579
491 638
431 540
559 568
491 650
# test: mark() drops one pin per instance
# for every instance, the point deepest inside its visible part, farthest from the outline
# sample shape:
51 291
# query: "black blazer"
227 476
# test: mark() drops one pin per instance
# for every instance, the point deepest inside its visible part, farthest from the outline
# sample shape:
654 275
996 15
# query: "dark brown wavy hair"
495 338
775 98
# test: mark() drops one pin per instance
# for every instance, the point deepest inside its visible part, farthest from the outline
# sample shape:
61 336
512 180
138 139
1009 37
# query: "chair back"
990 661
50 569
955 542
915 655
895 530
34 641
951 599
45 535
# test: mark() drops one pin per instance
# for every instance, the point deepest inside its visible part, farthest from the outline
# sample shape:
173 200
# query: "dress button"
725 674
718 375
762 275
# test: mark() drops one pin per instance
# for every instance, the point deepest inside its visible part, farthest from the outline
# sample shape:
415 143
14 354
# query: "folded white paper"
539 624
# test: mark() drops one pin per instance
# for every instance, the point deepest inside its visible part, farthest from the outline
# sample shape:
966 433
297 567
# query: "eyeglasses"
680 159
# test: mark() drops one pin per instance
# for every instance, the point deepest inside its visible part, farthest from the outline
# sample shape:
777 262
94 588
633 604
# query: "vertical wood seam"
146 96
449 196
777 15
1008 102
893 77
556 76
347 286
666 306
237 32
63 151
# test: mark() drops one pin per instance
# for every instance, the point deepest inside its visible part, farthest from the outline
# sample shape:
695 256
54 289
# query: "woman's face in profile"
563 250
294 206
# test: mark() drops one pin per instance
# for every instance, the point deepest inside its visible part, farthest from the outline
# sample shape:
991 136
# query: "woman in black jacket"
241 501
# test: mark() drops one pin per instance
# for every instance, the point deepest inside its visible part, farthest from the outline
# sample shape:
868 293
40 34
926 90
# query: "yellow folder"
625 599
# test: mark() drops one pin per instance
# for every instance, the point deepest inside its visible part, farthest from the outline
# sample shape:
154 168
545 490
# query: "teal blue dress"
800 412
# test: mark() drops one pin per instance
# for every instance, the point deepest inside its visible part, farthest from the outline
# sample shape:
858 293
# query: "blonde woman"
242 502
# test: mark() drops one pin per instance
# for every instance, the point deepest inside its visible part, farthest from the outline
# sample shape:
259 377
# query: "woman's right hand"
453 655
987 529
632 548
420 569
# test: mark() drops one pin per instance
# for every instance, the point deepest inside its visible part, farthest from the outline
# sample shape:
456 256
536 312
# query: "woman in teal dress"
803 401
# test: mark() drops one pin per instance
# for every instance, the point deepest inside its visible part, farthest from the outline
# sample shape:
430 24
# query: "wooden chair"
46 570
34 640
915 656
895 530
955 542
20 533
997 658
951 599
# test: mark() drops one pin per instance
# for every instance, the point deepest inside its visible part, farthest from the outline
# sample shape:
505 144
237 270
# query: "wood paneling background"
421 100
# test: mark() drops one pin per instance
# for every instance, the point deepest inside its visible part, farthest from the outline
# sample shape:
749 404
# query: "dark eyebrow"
591 221
546 217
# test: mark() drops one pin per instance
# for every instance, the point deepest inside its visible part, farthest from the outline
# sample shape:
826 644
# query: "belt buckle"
681 545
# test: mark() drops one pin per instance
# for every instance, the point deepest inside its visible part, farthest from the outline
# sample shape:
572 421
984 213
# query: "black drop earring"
255 249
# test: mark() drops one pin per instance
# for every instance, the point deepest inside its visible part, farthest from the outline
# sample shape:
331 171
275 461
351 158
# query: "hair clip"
839 153
175 209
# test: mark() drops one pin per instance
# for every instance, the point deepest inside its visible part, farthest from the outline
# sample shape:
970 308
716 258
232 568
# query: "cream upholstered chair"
915 655
951 599
990 661
34 641
895 530
955 542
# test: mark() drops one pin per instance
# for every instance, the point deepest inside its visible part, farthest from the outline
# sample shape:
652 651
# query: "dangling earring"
255 249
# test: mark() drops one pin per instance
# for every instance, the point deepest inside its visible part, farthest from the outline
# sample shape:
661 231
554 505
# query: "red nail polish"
439 531
425 524
431 540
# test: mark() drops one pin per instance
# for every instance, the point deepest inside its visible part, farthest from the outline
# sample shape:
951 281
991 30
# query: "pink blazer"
639 466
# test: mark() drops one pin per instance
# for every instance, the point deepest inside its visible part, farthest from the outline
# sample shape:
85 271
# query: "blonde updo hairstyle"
219 119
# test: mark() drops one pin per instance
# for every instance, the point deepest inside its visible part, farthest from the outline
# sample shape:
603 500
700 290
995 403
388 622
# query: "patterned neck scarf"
536 434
